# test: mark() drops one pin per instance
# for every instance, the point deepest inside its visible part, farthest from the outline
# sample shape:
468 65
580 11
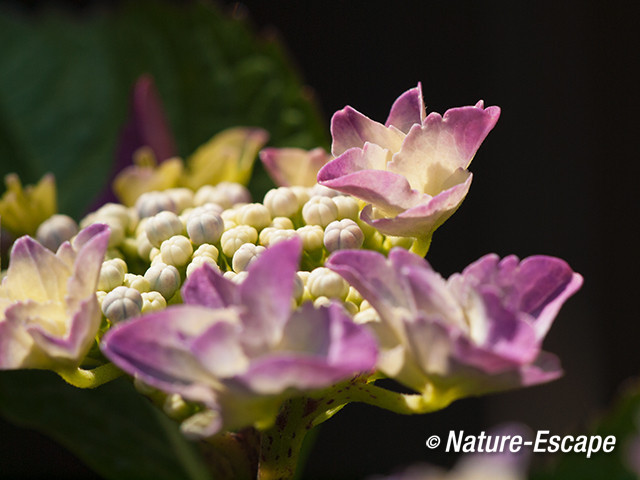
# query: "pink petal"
407 110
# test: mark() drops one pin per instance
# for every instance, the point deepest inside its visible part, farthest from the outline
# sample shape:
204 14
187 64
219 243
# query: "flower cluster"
271 315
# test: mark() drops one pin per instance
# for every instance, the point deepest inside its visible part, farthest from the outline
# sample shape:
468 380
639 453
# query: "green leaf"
65 85
113 429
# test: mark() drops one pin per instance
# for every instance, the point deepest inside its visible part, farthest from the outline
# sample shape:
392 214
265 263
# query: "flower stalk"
81 378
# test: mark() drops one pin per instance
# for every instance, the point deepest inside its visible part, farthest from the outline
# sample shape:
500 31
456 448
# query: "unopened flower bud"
225 194
324 282
240 277
281 202
162 226
206 250
280 235
122 303
368 315
163 278
312 237
182 197
176 250
282 223
255 215
205 226
111 274
245 256
56 230
343 234
151 203
322 301
197 262
152 302
265 235
175 407
319 211
143 246
302 194
138 282
323 191
233 239
298 288
348 207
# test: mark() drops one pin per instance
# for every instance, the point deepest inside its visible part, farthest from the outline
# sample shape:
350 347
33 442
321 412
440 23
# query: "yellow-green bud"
152 302
312 237
255 215
176 250
347 207
138 282
233 239
282 223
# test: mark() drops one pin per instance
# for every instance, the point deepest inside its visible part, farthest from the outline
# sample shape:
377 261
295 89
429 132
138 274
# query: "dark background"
558 175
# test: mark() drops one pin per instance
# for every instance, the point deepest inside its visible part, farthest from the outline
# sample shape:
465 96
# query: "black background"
558 175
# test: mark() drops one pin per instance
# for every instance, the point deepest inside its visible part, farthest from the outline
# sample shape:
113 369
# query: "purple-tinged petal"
90 246
368 157
407 110
219 350
148 125
545 369
374 278
423 219
267 292
16 346
350 128
345 349
293 166
208 288
431 152
157 348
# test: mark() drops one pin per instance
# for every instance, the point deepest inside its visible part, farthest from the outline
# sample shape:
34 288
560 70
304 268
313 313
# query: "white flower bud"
225 194
368 315
56 230
255 215
282 223
280 235
111 274
312 237
230 275
348 207
325 282
182 197
176 250
343 234
303 275
321 301
154 253
100 294
151 203
298 287
281 202
143 246
365 305
245 256
265 235
163 278
205 226
233 239
354 296
117 212
350 307
323 191
152 302
138 282
162 226
122 303
319 211
206 250
302 194
197 262
240 277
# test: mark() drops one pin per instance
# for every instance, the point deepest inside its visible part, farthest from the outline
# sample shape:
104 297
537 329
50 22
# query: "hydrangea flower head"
239 349
412 171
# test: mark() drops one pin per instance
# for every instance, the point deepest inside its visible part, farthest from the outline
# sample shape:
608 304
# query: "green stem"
421 245
90 378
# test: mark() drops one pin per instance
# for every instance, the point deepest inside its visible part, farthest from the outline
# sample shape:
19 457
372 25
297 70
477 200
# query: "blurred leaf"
65 83
113 429
623 422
